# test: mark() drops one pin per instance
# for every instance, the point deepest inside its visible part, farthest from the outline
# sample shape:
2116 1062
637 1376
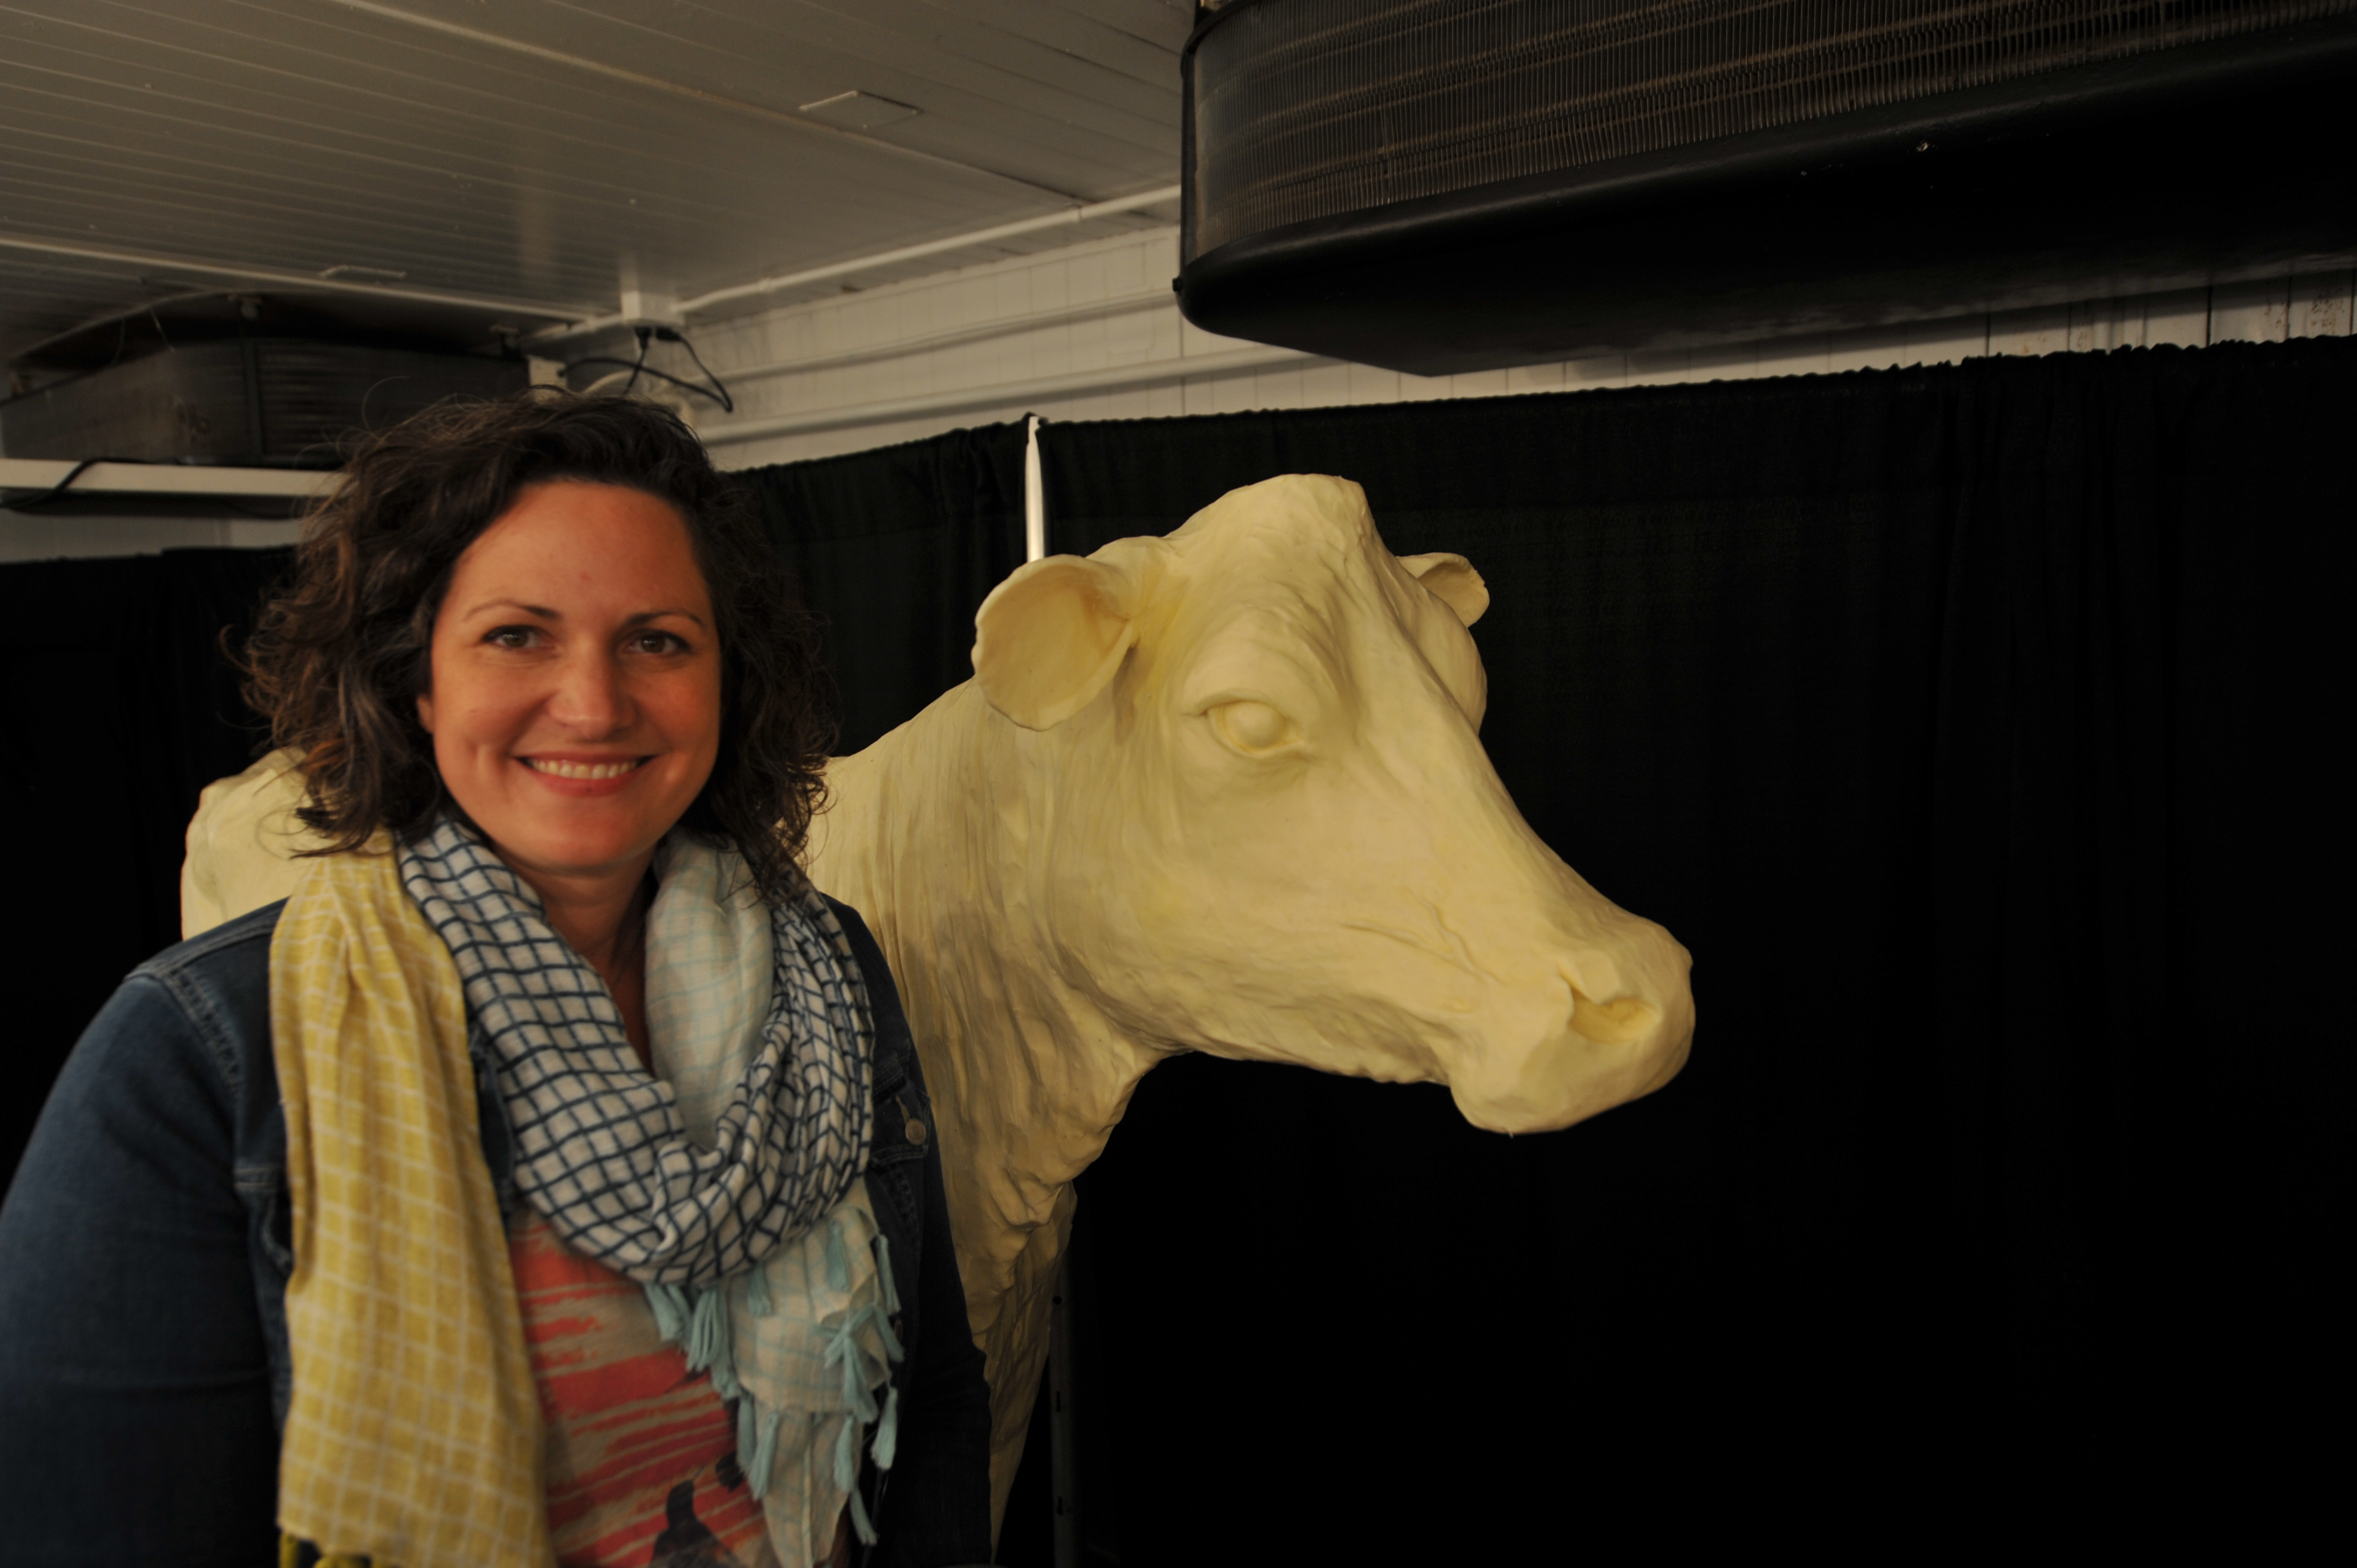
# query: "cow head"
1258 819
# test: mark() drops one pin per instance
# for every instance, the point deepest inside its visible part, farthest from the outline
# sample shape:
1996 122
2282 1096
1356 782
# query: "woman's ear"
426 711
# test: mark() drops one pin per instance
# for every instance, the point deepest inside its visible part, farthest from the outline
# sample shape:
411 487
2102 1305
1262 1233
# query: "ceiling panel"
537 151
983 88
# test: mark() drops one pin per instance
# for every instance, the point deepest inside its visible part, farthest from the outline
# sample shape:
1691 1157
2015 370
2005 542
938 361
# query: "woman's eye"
658 642
1251 727
512 636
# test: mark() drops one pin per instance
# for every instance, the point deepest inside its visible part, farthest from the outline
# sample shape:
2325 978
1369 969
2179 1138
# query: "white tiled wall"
978 337
1094 307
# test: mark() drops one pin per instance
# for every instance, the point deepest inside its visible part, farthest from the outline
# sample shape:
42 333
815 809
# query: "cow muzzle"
1615 1023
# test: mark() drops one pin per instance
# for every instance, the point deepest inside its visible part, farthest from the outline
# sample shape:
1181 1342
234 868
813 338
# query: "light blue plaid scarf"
803 1340
600 1149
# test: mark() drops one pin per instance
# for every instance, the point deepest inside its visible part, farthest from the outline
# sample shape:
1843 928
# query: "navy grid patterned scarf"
600 1149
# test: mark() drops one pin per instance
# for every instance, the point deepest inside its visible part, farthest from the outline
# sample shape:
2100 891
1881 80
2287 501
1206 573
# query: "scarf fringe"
295 1552
696 1320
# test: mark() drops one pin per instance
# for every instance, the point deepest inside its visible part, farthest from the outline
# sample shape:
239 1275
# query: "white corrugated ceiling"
549 153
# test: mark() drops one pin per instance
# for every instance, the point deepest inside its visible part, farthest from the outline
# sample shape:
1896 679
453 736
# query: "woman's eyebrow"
543 612
645 615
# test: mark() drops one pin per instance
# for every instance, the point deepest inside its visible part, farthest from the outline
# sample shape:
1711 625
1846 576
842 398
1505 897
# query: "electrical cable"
717 391
637 369
727 404
293 512
55 491
659 375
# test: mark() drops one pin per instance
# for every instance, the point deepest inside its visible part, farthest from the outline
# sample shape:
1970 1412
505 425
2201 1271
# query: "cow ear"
1453 580
1048 637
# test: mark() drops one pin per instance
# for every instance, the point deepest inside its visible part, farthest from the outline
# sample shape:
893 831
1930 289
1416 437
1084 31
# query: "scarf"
802 1340
414 1434
601 1150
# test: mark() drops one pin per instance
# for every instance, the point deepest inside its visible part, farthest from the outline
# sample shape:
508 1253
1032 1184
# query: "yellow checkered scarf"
414 1438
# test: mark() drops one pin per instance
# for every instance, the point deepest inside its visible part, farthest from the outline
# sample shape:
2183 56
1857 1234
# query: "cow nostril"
1614 1022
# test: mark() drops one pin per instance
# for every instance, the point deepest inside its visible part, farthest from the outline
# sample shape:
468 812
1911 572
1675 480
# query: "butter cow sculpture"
1218 791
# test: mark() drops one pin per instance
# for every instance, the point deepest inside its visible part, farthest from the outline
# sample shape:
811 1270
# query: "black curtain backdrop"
1964 723
120 707
116 708
895 548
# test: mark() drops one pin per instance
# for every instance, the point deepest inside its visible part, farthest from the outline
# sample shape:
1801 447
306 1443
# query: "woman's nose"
590 696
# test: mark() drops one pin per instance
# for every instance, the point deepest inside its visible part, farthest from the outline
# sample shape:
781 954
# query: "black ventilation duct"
238 379
1438 185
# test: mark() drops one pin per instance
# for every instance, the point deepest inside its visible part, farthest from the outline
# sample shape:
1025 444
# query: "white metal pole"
1035 496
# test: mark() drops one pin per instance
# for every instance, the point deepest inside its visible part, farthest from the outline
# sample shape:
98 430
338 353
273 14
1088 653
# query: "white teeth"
580 769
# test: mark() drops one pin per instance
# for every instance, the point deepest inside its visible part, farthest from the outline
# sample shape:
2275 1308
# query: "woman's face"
575 697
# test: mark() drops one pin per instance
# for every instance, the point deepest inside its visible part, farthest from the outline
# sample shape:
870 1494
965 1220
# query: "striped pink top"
642 1452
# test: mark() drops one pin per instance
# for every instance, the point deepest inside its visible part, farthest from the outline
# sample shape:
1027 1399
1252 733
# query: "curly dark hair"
338 659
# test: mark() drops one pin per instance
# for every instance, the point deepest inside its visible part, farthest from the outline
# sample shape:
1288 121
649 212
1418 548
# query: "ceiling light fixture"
860 111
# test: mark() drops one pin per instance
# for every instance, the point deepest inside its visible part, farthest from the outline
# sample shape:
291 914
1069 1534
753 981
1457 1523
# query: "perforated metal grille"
1308 108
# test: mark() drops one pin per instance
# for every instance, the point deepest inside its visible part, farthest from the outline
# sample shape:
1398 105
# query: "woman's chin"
574 860
593 843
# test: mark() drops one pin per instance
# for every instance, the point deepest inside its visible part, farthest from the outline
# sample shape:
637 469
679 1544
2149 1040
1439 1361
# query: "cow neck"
928 836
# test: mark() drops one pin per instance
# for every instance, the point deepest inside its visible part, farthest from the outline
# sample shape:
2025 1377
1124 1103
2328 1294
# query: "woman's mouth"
562 768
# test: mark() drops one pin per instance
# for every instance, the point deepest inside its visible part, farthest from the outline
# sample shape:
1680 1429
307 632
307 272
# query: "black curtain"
895 548
1965 724
116 708
120 705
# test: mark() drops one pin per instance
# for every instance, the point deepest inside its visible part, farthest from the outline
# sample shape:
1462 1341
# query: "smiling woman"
575 732
540 490
525 1163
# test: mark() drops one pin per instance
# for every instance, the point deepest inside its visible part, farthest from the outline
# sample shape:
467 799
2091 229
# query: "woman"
550 1177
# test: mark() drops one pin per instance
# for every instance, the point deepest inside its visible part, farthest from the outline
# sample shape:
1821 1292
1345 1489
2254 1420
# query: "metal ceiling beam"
158 479
284 277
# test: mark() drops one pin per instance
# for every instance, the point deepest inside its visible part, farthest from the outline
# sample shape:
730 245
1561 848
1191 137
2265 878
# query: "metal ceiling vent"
1450 185
244 380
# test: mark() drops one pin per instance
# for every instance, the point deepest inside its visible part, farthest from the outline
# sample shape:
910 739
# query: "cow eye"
1251 727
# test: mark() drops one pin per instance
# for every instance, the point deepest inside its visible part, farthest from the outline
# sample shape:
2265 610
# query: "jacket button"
916 1131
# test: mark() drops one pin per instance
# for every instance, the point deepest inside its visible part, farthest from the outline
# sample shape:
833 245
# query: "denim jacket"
144 1259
